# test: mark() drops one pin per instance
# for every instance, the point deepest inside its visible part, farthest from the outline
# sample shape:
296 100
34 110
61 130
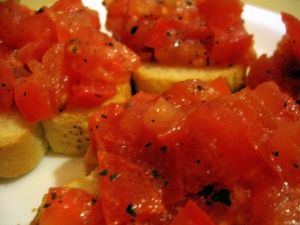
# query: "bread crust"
155 78
22 145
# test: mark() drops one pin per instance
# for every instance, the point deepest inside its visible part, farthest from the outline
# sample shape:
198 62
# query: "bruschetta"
56 67
179 40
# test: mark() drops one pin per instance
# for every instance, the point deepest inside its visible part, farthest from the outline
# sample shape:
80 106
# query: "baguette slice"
22 146
67 132
155 78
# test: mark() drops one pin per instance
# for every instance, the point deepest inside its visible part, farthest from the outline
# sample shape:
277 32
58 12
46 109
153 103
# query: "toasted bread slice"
22 145
155 78
67 132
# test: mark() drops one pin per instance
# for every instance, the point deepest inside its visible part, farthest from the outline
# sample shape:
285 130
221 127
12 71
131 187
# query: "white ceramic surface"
19 198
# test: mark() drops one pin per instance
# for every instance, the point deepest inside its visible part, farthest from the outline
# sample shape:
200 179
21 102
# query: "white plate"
19 198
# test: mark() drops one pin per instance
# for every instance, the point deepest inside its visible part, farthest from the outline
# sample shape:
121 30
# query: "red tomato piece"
12 15
38 34
283 66
292 29
192 214
90 94
6 86
70 206
139 200
45 88
70 17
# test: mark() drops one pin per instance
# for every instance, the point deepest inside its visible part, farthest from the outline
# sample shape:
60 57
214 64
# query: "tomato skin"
191 214
70 206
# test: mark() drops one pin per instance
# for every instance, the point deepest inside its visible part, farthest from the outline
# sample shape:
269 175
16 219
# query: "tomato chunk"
68 206
191 214
139 199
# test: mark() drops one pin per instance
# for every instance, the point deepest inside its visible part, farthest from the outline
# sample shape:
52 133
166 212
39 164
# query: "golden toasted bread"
22 145
157 78
67 132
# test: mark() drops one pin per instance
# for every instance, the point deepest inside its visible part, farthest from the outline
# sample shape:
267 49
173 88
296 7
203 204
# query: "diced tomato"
292 29
6 86
191 214
38 34
70 17
138 199
228 12
283 66
182 33
45 88
70 206
11 19
194 91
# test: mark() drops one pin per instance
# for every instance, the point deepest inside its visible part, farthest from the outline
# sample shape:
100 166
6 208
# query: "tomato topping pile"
55 59
199 155
200 33
284 65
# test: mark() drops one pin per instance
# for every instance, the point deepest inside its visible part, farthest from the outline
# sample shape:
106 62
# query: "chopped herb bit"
198 161
166 183
98 96
85 60
93 201
275 153
153 120
208 202
41 10
148 145
3 85
75 49
298 101
53 195
268 71
97 126
114 176
155 173
61 108
207 190
189 2
130 210
24 94
222 196
134 29
104 172
163 148
104 116
296 165
168 33
110 44
46 205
